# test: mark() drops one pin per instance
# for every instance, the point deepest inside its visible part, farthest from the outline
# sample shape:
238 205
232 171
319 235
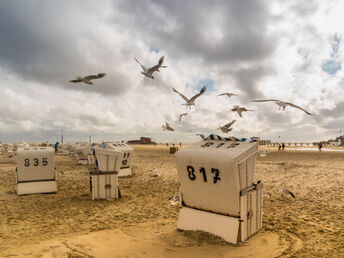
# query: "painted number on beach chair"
191 172
207 144
214 171
220 144
232 145
26 162
35 162
202 171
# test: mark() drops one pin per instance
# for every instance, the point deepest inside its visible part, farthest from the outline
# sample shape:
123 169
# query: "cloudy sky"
288 50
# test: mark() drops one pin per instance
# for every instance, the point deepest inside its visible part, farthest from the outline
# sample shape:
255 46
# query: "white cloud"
252 48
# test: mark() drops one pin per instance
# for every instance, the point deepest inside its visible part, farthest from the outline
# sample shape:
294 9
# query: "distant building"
333 143
265 142
143 140
341 139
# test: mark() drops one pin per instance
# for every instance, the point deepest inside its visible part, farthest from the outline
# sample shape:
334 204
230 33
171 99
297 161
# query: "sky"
286 50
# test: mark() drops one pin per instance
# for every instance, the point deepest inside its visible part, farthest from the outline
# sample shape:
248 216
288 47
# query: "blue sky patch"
207 81
197 85
335 44
153 49
331 67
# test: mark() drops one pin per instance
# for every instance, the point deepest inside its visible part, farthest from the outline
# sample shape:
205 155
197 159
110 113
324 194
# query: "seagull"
282 104
87 79
267 195
239 109
190 102
174 199
202 136
285 192
167 127
227 94
181 115
149 72
227 127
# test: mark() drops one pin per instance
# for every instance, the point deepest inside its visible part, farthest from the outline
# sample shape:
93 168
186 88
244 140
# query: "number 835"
35 162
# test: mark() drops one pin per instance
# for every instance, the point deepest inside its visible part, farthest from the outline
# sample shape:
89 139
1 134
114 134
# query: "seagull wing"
76 80
91 77
98 76
264 100
199 94
239 112
161 60
185 98
231 94
228 94
143 68
229 124
181 115
153 69
101 75
201 135
156 67
295 106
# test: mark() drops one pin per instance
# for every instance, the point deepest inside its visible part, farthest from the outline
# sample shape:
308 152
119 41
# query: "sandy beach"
143 222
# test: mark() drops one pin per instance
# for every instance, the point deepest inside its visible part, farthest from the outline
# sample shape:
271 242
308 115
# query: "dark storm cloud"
334 124
336 112
231 43
248 80
51 42
304 8
189 29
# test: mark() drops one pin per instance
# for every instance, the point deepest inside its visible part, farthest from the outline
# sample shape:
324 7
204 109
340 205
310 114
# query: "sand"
143 222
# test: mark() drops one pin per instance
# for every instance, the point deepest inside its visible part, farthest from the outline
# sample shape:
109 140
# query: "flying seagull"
201 135
181 115
239 109
87 79
227 127
227 94
167 127
282 104
149 72
190 102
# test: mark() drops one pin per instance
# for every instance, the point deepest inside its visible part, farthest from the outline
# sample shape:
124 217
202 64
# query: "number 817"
192 175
